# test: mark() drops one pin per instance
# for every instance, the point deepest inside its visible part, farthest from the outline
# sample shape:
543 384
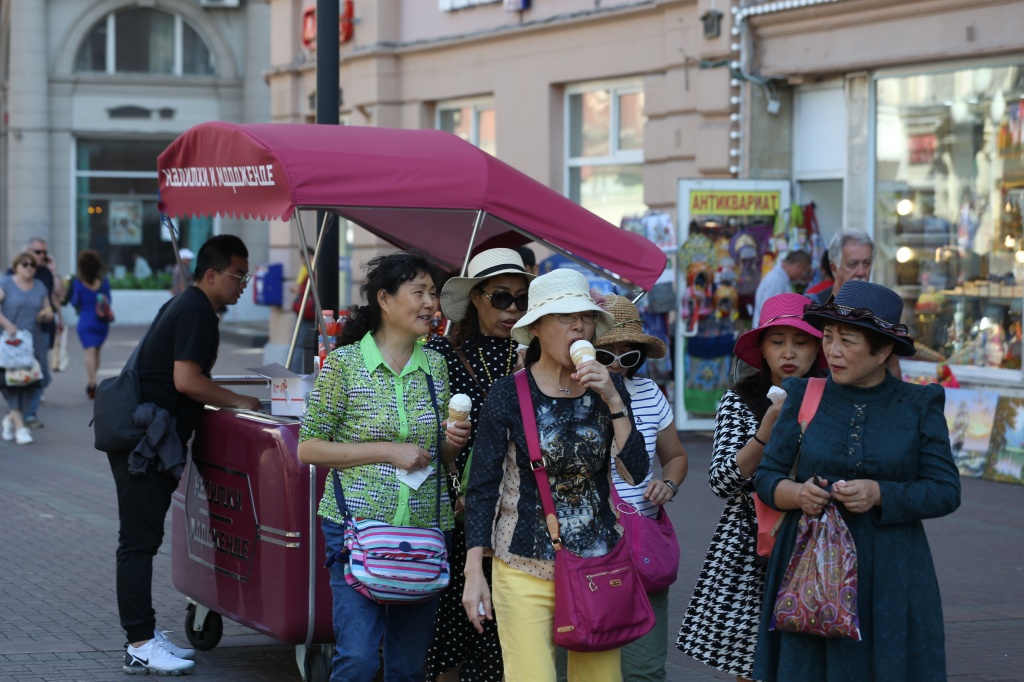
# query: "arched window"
144 41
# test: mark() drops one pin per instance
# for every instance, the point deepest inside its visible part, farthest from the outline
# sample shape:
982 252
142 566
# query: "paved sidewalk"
58 618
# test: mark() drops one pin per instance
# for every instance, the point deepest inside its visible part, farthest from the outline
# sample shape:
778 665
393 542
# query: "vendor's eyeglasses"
502 300
631 358
27 264
245 279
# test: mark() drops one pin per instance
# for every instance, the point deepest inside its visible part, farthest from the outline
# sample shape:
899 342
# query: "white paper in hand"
776 394
414 479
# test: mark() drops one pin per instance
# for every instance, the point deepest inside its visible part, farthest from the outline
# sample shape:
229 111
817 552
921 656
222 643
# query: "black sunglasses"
27 264
502 300
631 358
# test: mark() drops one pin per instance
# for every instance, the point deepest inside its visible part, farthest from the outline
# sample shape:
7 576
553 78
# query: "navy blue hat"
869 305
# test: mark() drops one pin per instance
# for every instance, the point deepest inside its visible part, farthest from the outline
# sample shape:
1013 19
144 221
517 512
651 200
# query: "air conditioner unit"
220 3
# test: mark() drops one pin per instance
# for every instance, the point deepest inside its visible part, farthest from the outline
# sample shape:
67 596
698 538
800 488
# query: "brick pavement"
58 618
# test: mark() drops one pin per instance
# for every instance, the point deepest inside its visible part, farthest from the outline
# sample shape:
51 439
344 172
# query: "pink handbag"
652 544
599 601
769 519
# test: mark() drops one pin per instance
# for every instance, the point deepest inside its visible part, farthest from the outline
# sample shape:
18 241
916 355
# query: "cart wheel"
209 636
316 666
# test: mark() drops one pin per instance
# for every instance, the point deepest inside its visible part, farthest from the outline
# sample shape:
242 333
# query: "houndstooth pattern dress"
721 621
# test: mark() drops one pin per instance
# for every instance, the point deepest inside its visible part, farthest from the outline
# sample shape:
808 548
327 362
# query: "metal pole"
328 53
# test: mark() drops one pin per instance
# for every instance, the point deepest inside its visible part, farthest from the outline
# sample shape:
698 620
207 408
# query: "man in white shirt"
793 268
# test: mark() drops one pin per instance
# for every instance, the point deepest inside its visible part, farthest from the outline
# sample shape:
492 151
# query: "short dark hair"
216 253
527 254
797 256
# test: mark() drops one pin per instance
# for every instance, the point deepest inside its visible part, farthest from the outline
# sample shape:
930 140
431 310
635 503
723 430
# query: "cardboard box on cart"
288 390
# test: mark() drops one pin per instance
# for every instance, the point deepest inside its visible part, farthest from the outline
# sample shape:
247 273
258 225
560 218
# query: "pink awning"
417 189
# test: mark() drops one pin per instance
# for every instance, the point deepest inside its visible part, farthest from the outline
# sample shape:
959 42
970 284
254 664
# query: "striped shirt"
652 414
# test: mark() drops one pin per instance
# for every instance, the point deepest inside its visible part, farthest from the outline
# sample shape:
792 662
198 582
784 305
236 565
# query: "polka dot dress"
455 639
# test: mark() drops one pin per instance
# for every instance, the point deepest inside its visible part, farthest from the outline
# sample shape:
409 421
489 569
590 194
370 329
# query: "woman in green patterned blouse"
371 415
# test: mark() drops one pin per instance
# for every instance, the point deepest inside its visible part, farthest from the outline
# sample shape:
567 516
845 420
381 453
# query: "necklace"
508 365
391 357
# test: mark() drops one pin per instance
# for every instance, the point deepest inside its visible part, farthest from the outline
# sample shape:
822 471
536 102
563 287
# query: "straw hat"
868 305
486 264
560 291
779 310
629 328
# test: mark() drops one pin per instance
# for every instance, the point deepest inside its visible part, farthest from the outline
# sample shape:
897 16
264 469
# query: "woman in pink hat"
721 621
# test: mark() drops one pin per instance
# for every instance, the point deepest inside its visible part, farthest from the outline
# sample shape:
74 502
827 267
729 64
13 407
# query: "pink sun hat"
780 310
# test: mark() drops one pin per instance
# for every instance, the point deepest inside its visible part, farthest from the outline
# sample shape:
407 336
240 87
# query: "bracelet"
760 441
671 485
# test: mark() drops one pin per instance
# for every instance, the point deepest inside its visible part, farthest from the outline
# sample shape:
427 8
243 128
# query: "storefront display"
729 232
949 195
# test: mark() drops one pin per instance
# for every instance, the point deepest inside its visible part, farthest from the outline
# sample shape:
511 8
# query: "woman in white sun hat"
479 350
579 413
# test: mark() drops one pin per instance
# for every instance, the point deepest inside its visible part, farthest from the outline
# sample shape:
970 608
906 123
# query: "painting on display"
969 416
126 223
1006 456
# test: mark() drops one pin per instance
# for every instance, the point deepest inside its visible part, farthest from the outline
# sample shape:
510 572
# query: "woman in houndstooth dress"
721 622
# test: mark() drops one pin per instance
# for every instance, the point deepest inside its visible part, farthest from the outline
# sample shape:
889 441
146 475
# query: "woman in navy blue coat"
880 448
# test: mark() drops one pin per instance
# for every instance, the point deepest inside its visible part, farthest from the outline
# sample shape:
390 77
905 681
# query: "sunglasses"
245 279
588 317
39 253
631 358
27 264
502 300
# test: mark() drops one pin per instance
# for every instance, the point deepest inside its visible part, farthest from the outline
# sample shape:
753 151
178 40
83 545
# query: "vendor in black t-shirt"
174 364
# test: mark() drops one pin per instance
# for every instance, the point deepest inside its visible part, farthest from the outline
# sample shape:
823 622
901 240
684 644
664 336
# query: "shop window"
116 212
950 192
473 121
144 41
604 149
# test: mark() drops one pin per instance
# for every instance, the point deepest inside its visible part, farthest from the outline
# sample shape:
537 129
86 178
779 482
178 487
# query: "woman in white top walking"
624 349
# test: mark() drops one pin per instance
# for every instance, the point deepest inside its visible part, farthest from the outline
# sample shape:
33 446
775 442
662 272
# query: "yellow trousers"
525 610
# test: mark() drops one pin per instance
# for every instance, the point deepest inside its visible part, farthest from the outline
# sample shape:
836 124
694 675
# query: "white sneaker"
180 652
8 429
23 436
153 658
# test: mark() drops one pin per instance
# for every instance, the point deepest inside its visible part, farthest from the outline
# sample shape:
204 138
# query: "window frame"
616 156
476 106
110 47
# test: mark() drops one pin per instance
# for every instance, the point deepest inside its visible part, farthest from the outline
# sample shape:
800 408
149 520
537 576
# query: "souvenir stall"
729 232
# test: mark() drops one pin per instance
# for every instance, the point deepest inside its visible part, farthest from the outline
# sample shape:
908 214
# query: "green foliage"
160 280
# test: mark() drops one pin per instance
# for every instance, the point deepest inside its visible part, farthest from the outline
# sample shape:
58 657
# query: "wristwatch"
671 485
619 414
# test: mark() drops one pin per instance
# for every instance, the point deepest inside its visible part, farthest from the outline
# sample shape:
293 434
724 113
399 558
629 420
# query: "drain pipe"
741 49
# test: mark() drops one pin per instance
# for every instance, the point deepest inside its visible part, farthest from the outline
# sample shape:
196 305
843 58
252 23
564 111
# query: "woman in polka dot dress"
480 350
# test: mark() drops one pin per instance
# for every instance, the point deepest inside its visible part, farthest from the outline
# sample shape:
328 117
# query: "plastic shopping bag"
818 594
59 359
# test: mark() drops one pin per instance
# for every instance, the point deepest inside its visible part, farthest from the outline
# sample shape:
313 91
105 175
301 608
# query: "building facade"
92 92
907 119
608 102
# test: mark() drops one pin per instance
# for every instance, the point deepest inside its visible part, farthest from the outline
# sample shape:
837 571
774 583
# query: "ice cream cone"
581 351
457 415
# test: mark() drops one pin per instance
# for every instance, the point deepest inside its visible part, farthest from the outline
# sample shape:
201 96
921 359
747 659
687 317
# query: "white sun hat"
560 291
486 264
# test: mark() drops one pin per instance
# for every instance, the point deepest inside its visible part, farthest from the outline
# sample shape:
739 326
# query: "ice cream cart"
245 535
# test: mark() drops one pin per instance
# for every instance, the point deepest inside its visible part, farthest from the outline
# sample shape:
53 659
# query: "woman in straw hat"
623 350
484 306
721 621
580 413
880 447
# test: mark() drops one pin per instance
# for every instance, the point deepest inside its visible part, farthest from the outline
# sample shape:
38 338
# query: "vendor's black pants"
142 504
